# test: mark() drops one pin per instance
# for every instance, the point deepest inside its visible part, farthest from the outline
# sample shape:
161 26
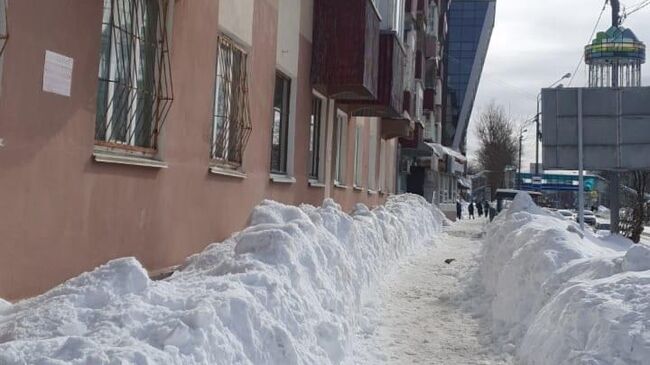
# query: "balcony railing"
390 88
345 53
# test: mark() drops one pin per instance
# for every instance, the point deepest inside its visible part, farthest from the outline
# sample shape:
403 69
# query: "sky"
534 43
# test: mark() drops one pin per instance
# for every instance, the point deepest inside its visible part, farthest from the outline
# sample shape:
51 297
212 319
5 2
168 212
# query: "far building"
470 29
432 161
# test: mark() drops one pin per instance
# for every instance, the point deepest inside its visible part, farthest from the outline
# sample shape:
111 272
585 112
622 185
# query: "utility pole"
615 203
521 138
537 139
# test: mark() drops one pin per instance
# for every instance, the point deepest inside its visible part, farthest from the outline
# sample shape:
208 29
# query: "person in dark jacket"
486 208
479 208
459 210
470 209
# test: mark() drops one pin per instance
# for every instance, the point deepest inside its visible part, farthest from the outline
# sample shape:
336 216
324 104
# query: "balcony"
423 11
393 128
428 101
346 44
430 45
390 87
411 8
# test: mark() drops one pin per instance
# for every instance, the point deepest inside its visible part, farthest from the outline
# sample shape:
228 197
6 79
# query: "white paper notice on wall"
57 73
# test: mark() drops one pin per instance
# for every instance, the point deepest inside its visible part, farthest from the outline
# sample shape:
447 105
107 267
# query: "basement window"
135 87
231 126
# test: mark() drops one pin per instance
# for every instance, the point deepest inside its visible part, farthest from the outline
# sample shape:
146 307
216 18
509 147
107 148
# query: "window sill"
358 188
223 171
282 179
340 186
372 192
124 159
315 184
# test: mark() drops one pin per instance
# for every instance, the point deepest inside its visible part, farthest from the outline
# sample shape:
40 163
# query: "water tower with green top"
615 57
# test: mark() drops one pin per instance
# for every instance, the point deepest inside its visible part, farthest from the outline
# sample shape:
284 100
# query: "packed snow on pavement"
418 315
553 294
286 290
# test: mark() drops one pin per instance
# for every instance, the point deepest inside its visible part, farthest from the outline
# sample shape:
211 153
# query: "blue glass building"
470 29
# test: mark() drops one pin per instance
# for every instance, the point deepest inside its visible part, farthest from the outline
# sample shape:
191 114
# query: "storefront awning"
464 183
442 151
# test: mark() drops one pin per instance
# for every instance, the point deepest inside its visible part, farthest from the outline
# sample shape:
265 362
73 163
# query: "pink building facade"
151 128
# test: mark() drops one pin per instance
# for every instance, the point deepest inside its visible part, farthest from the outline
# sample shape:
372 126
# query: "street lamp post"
538 133
521 138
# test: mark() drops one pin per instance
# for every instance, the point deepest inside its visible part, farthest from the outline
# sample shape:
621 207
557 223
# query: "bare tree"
498 145
634 221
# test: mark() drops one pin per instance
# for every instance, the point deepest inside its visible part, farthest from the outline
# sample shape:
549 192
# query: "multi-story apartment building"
152 127
427 167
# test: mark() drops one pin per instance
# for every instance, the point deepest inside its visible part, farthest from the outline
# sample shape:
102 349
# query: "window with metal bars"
280 124
315 125
135 86
4 35
231 123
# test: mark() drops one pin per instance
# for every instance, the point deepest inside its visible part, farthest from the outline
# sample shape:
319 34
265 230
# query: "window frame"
235 119
340 136
358 155
317 138
141 110
4 35
373 145
382 166
284 124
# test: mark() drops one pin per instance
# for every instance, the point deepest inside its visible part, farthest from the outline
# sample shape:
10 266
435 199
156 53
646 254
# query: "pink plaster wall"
61 213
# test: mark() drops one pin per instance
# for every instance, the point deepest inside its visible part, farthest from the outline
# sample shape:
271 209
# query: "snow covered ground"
553 295
286 290
418 315
306 285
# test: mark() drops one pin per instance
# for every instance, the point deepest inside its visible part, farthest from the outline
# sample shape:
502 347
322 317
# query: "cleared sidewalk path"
418 316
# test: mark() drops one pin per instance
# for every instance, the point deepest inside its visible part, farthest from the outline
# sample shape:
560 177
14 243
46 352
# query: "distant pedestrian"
459 210
479 208
470 209
486 208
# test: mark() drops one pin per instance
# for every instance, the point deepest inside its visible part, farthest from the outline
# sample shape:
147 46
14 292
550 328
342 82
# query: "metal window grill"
135 85
4 26
231 125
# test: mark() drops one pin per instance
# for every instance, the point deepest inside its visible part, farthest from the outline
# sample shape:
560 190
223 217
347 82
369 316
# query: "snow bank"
286 290
556 295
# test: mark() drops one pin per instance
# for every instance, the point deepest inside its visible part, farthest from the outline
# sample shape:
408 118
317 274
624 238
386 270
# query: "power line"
591 37
635 8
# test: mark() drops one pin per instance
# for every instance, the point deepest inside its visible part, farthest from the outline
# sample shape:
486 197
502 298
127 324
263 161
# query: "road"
417 316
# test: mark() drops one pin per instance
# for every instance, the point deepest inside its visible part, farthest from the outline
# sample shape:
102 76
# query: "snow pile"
286 290
557 296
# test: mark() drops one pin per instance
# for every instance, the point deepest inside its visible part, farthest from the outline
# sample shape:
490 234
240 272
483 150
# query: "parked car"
602 227
567 214
590 218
